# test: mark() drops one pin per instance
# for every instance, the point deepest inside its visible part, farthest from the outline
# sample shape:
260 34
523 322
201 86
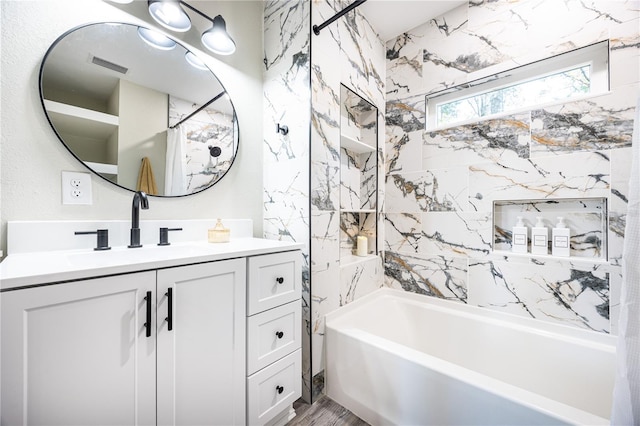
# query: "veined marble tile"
615 289
363 57
439 276
325 163
350 180
595 124
429 190
576 175
369 183
568 295
359 279
500 140
325 278
617 224
286 198
406 113
406 44
403 232
624 68
535 25
353 224
447 56
483 11
292 113
404 64
403 151
209 127
620 176
286 33
454 234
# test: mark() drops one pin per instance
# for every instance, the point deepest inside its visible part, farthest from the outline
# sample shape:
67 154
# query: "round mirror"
138 109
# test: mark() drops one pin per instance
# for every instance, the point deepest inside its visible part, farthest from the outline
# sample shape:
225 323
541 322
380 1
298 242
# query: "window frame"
595 55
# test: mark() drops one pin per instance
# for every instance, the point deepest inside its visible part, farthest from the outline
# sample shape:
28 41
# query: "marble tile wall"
203 128
287 96
350 53
440 185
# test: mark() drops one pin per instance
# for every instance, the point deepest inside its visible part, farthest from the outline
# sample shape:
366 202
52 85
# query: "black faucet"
139 201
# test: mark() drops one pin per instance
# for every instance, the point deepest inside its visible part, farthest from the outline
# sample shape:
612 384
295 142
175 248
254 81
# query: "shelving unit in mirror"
89 131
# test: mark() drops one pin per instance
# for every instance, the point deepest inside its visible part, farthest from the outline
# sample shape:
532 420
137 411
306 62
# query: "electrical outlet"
76 188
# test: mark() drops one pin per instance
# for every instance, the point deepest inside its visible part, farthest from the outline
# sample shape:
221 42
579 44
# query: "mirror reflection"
139 109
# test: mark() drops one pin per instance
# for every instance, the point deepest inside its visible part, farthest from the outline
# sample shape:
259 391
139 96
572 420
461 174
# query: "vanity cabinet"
165 346
274 323
78 353
201 344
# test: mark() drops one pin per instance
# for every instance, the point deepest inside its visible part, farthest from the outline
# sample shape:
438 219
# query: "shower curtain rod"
218 96
318 28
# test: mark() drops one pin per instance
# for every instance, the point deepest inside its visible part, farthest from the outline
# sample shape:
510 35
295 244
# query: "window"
561 78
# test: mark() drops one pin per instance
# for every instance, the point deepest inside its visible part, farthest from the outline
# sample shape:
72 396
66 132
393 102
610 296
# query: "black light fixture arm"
215 98
318 28
188 6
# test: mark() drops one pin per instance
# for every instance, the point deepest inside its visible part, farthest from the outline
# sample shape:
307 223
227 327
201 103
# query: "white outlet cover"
76 188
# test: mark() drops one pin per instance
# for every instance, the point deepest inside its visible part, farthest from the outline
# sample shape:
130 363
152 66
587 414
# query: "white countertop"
19 270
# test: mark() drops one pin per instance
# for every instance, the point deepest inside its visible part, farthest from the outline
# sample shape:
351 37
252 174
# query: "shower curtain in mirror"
175 179
626 394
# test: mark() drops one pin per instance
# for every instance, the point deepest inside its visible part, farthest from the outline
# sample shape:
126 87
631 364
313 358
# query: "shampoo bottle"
519 237
560 241
539 238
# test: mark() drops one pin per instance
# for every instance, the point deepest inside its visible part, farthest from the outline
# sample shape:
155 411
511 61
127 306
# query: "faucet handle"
102 239
164 235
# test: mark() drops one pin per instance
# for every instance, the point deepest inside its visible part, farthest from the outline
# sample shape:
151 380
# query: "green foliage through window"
555 87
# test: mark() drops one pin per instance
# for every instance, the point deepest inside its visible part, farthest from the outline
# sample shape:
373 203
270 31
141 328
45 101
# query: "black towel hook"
284 129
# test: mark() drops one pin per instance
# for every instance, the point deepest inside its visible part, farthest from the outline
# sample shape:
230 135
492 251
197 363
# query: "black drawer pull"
280 280
279 334
279 389
147 324
169 318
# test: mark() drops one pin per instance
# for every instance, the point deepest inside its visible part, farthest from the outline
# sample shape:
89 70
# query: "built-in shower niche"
358 173
586 219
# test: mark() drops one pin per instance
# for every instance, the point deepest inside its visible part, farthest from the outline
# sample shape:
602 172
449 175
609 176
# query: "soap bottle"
539 238
519 237
560 239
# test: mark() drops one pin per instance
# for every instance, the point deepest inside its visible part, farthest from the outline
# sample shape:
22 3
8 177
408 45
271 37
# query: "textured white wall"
31 156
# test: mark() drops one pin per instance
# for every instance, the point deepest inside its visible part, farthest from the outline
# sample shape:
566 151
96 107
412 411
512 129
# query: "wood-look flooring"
323 412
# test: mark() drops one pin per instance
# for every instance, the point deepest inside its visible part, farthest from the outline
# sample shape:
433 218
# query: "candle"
361 245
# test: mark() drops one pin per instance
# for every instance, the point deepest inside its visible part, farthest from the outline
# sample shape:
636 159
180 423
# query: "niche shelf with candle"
358 177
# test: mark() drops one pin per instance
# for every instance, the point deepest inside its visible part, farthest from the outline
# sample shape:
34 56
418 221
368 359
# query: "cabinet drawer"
273 280
272 335
272 389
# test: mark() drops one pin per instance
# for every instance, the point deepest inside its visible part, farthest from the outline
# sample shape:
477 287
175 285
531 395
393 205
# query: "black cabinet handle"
169 318
279 334
279 280
279 389
147 324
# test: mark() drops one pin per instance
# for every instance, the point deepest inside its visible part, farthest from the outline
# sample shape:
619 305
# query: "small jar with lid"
219 234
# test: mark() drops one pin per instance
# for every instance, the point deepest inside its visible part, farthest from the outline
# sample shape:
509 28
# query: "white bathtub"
394 357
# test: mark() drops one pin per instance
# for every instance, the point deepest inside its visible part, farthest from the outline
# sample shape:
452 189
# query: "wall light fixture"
155 39
171 15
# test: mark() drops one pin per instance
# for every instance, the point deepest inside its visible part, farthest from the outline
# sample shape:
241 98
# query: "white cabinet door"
78 353
201 359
